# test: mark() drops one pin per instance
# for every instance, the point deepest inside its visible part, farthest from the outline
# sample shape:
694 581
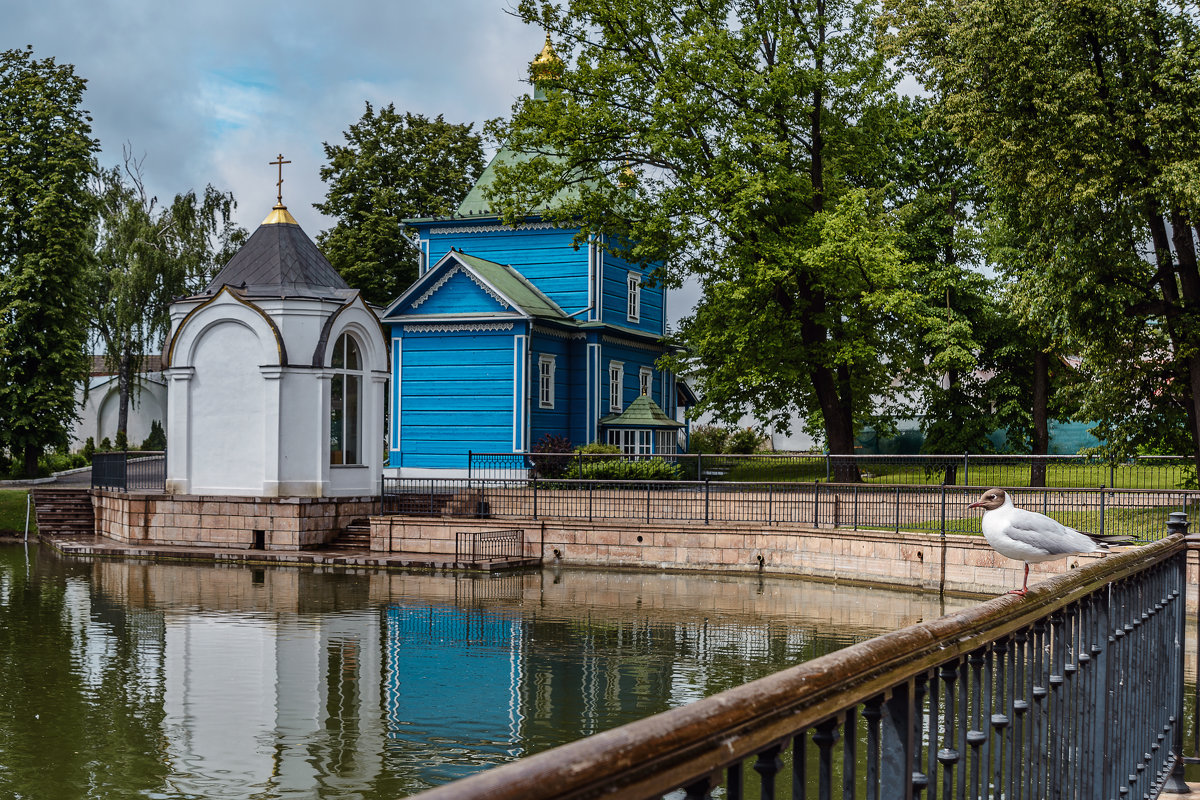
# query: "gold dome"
547 64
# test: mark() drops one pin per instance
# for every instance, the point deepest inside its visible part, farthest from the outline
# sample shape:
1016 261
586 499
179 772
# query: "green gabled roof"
642 413
514 286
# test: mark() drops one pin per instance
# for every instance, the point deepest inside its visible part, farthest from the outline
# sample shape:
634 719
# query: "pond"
126 679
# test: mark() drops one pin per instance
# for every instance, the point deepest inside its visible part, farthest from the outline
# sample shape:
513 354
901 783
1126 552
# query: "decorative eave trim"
442 281
492 228
559 334
635 344
280 349
466 326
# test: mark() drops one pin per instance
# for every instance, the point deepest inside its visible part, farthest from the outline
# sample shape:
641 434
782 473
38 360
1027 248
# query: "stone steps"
355 536
64 512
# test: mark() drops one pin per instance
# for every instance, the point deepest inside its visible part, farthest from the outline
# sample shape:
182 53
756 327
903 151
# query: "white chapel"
276 377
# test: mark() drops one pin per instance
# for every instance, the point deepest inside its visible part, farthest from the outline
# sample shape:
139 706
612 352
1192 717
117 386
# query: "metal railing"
488 545
937 509
139 471
1142 472
1074 691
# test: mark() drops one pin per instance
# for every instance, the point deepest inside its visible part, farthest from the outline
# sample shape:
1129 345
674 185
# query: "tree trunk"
1041 422
1189 284
32 451
839 427
123 381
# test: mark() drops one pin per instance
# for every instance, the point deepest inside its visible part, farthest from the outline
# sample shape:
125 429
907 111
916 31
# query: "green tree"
739 142
46 162
1083 121
145 255
393 167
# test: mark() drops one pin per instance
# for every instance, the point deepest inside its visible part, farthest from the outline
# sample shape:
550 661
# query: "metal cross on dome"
279 183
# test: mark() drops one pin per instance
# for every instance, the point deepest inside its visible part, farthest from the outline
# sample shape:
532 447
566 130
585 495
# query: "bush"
652 469
105 445
89 448
555 465
743 441
708 439
157 440
122 441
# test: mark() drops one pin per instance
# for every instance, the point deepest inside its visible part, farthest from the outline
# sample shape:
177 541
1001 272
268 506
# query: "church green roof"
642 413
475 204
513 285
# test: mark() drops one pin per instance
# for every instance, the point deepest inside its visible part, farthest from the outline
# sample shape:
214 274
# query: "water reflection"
122 679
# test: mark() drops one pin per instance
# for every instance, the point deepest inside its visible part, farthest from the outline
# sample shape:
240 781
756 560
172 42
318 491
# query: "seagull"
1032 537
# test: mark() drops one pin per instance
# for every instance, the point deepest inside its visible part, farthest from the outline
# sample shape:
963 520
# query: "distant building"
99 406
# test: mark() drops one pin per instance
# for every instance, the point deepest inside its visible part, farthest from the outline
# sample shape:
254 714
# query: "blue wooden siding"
553 421
458 295
632 358
547 258
616 297
455 394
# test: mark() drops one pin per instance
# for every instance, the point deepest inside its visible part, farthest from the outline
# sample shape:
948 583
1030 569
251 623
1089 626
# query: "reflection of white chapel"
276 377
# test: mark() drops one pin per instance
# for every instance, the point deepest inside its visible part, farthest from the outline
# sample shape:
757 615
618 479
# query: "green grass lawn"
12 511
980 473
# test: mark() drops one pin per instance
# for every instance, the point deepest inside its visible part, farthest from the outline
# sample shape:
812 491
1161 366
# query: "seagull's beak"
978 504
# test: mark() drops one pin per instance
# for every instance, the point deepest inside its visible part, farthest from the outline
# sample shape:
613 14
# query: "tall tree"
46 161
1083 120
737 142
393 167
145 255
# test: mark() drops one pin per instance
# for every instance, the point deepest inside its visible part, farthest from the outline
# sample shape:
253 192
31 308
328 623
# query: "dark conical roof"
280 259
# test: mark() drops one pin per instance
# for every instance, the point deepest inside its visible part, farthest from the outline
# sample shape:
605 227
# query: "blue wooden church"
512 334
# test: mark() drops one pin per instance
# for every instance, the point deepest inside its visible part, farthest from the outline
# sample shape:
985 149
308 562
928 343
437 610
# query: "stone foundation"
956 563
285 523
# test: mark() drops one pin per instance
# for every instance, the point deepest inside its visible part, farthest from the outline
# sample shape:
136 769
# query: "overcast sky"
211 91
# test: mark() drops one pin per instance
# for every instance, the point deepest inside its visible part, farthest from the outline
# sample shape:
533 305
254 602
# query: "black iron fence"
140 471
1143 472
1075 691
1140 513
487 545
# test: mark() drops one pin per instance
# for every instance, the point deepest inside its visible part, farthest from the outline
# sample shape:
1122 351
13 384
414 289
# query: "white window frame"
632 441
616 386
346 403
646 381
666 443
546 367
633 305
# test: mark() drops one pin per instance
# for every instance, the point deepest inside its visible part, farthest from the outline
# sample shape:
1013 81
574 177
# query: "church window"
646 381
634 307
666 443
546 381
345 406
616 380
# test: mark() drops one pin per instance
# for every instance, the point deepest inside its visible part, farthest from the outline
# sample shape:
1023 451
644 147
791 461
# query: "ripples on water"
134 680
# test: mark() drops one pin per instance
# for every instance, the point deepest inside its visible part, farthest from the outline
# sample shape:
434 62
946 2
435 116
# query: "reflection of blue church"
512 334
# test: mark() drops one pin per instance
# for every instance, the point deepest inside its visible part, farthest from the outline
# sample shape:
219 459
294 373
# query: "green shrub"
599 448
618 470
157 440
89 448
105 445
743 441
122 442
708 439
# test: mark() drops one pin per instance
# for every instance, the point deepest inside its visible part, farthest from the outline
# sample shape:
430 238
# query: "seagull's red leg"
1024 584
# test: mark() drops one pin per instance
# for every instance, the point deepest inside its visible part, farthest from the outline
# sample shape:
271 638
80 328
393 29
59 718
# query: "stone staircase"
355 536
63 512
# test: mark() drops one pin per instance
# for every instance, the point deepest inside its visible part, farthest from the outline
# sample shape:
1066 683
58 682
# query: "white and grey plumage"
1029 536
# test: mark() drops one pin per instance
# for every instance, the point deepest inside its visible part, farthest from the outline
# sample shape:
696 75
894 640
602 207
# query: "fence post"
647 501
535 508
470 465
943 510
770 502
966 468
1101 510
827 466
591 491
1175 784
817 498
706 501
897 509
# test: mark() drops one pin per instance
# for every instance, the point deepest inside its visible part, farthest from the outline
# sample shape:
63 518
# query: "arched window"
345 406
